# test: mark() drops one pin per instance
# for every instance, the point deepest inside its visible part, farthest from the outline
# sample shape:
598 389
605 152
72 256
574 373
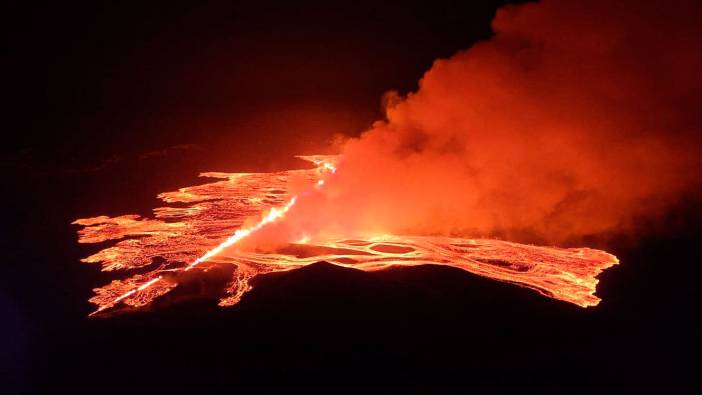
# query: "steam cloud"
575 119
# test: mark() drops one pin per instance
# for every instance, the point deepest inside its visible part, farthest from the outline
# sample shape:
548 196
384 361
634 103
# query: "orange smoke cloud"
575 119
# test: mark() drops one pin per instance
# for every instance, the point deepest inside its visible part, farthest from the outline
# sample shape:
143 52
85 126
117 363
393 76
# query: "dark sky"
237 78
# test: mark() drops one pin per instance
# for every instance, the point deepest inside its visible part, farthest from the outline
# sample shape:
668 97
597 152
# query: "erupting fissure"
272 215
199 233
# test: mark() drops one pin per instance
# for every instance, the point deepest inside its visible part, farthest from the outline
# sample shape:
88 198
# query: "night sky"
107 105
137 78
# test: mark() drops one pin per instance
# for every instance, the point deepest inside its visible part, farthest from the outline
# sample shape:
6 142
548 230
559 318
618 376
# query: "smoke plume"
575 119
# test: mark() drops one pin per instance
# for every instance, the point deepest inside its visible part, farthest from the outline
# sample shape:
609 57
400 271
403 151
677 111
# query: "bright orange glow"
272 215
198 236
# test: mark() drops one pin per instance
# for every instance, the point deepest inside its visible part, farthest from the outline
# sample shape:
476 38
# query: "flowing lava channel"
198 234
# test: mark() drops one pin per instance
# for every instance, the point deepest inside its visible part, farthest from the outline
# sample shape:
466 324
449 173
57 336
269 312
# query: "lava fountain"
204 223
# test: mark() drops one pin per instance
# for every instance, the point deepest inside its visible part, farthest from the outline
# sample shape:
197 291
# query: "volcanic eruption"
198 236
567 123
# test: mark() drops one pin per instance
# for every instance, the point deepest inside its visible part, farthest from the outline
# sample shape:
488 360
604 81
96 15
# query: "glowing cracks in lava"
128 294
200 231
273 215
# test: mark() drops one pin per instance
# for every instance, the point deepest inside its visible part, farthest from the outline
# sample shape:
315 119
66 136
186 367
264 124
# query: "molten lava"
214 217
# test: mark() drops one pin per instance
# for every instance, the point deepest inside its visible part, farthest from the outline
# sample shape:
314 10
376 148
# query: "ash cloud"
575 119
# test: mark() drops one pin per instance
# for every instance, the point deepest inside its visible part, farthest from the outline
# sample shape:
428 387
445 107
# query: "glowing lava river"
205 221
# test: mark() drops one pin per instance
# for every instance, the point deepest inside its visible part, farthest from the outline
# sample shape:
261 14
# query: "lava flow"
214 217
